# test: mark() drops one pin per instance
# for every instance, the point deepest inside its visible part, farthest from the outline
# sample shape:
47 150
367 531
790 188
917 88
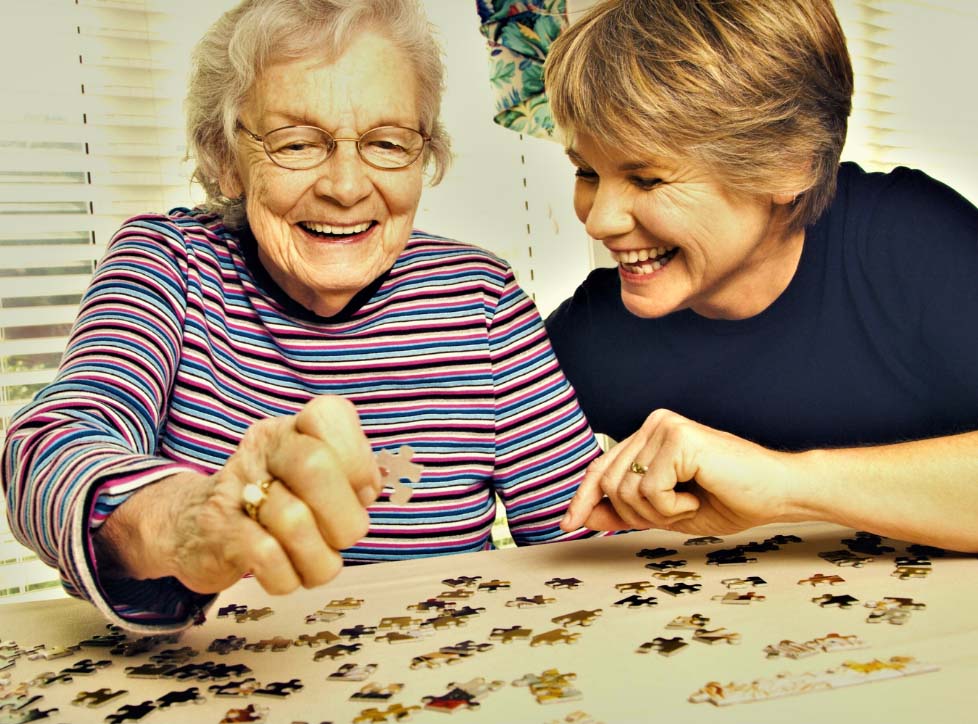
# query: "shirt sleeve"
543 441
89 439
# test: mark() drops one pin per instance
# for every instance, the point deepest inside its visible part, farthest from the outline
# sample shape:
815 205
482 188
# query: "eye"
385 145
645 184
585 174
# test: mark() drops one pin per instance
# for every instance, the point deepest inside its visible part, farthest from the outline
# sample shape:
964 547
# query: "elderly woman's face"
680 238
327 232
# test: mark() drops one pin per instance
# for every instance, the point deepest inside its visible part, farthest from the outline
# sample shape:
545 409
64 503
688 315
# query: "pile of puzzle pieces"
403 637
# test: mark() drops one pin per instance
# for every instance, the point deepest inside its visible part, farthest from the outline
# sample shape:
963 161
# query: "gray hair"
231 55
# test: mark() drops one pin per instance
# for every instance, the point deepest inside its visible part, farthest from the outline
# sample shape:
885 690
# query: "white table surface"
617 684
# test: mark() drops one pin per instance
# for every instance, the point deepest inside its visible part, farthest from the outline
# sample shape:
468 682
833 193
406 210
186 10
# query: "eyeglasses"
304 147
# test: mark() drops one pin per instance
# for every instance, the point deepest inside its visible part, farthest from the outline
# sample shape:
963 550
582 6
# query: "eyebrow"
294 120
626 167
575 157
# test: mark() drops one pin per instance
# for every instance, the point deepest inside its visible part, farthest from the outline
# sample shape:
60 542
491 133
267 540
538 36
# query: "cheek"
269 190
403 194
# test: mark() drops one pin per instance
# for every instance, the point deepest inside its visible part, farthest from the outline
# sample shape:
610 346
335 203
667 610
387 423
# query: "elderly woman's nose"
344 176
608 214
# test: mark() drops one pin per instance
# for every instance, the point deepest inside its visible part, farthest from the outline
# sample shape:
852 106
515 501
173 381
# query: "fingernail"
367 496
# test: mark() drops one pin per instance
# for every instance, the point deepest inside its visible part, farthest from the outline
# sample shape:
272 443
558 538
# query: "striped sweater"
183 341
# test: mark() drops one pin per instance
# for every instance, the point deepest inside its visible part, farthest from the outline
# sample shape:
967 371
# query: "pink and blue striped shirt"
183 341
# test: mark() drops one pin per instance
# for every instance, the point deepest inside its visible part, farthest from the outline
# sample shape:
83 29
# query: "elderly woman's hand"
196 529
676 474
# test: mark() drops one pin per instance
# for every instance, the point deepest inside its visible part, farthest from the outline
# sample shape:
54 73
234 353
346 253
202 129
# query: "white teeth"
337 230
634 256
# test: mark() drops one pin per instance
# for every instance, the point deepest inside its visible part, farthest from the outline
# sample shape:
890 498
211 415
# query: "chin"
645 307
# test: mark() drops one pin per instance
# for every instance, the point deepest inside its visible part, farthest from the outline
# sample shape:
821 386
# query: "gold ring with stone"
253 495
637 467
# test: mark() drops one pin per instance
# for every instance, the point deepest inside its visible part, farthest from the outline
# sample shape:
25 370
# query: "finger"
605 517
621 482
309 469
659 483
588 495
335 421
290 521
268 561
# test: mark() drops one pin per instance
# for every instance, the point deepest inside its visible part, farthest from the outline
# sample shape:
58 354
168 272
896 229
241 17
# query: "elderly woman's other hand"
677 474
199 529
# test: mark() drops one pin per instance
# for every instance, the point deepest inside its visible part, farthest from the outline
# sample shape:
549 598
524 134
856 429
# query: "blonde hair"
759 91
231 55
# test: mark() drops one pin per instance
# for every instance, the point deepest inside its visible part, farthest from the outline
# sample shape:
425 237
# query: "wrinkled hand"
699 481
325 475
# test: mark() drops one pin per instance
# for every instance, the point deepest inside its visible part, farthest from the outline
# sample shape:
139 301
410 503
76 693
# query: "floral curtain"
519 34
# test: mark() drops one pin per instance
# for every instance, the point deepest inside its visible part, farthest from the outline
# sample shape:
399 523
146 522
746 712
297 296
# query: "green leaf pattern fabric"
519 34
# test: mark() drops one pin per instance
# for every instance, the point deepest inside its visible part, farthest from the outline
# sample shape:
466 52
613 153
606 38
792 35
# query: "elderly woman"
793 336
234 369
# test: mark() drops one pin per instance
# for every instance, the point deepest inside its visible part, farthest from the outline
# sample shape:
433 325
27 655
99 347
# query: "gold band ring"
253 495
637 467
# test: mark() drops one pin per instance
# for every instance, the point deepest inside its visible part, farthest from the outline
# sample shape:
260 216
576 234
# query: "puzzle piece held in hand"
397 467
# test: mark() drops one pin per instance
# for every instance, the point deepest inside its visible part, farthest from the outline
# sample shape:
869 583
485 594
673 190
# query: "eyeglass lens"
302 147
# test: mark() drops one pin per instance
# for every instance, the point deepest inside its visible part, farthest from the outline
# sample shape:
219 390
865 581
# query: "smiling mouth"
644 261
335 231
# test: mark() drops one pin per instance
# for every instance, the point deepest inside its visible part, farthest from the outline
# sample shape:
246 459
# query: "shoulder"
597 297
179 230
438 257
905 206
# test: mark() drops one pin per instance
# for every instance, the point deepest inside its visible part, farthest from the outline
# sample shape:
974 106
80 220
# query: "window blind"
91 132
914 101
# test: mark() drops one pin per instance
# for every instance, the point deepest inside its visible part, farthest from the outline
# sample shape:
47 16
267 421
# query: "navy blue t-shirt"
875 339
